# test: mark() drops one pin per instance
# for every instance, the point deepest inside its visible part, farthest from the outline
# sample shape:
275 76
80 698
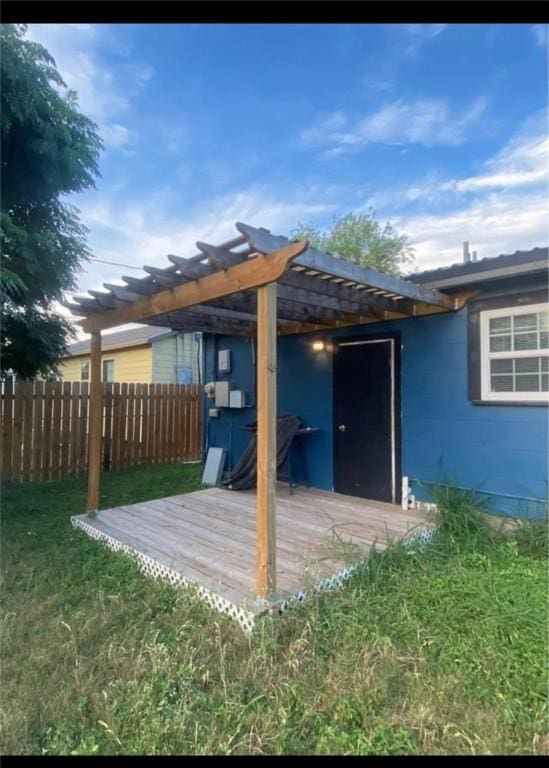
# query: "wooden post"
95 425
266 440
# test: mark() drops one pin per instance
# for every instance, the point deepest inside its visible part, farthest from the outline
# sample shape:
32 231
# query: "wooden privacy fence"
45 427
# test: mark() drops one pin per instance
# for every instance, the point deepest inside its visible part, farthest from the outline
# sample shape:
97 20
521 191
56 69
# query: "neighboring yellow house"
147 354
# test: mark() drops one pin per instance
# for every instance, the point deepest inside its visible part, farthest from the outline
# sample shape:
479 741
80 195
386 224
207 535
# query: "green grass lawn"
433 653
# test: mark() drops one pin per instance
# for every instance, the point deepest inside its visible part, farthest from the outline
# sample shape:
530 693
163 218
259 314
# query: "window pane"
108 370
85 371
545 364
501 366
544 320
500 344
544 340
524 341
527 383
526 322
500 324
545 382
502 383
527 364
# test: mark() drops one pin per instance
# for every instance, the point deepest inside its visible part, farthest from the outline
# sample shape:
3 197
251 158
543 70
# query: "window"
108 370
514 346
85 370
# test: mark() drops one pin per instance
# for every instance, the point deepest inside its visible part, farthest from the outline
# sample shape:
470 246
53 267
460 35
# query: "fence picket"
107 425
56 431
83 442
7 430
75 428
140 397
28 395
65 429
45 461
157 423
37 431
123 425
131 426
199 423
116 427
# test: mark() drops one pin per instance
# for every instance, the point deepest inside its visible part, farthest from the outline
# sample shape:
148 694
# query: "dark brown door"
365 454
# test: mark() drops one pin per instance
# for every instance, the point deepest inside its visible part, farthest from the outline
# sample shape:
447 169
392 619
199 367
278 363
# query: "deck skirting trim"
417 538
151 567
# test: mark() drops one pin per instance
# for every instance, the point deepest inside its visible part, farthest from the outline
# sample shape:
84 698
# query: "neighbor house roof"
134 337
489 268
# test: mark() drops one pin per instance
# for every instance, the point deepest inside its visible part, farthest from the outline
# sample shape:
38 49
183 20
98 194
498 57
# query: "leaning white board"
213 468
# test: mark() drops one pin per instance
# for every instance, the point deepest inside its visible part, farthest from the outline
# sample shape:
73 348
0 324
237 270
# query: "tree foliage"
360 238
49 150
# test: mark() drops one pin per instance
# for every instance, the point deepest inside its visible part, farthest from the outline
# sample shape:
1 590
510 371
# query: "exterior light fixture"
318 345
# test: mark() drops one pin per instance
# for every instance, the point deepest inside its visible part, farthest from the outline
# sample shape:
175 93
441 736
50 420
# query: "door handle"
342 428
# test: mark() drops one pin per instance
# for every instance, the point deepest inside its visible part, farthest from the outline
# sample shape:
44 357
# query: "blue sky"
441 128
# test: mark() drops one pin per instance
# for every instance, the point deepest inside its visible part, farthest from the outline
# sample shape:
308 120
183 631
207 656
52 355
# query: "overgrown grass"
435 652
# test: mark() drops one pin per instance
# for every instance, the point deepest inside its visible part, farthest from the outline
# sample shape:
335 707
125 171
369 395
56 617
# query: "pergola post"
95 425
266 440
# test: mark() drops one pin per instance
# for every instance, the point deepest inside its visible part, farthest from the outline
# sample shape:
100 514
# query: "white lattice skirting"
245 618
153 568
419 538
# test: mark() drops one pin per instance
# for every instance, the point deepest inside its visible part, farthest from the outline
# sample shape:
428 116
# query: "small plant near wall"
459 516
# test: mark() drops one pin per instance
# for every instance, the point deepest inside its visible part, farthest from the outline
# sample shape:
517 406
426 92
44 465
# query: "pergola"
256 284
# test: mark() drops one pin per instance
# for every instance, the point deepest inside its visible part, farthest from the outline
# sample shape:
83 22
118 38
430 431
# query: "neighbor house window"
514 346
85 370
108 370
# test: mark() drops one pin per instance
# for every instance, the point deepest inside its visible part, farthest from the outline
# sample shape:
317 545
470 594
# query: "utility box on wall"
224 361
237 398
221 394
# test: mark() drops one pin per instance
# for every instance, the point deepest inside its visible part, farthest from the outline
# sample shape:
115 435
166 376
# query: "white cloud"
116 135
521 165
423 121
523 162
504 207
418 35
501 222
102 96
541 34
141 232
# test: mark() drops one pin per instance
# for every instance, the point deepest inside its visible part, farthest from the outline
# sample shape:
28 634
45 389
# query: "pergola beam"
250 274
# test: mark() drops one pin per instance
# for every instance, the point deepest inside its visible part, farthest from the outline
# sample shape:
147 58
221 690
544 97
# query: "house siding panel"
172 352
445 437
163 360
130 365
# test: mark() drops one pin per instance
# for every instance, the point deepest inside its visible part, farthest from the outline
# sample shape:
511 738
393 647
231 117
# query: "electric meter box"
224 361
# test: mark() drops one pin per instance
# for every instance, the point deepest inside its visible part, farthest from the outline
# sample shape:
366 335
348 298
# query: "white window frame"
103 377
82 364
486 356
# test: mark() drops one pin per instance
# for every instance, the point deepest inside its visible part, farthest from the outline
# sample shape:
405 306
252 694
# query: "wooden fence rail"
44 427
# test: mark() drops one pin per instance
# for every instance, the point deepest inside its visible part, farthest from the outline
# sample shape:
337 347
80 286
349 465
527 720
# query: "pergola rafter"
254 284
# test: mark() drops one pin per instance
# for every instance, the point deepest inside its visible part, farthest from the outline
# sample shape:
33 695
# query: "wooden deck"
207 538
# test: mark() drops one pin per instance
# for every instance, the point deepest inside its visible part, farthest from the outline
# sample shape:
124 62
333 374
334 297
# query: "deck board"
208 536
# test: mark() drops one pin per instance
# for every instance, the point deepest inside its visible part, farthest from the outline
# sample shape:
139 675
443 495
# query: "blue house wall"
499 449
